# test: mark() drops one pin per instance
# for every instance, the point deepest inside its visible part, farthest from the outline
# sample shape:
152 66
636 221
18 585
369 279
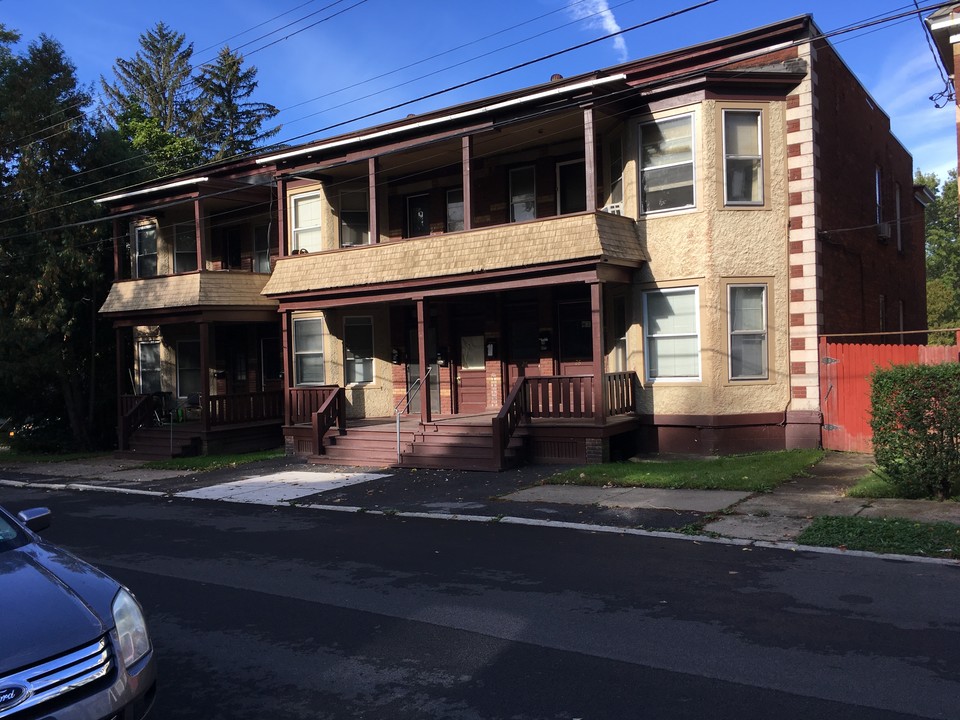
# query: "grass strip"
202 463
757 472
884 535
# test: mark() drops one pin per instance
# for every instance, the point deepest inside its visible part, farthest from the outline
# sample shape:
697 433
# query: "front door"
472 375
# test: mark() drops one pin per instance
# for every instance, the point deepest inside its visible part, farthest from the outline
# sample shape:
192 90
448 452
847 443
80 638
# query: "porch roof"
193 290
599 237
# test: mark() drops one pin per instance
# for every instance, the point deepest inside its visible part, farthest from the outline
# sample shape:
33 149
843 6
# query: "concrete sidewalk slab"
705 501
279 487
751 527
919 510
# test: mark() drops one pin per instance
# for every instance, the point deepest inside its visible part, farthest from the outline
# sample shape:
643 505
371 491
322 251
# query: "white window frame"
153 227
297 230
354 377
199 369
297 353
648 337
758 157
532 169
159 370
764 332
692 162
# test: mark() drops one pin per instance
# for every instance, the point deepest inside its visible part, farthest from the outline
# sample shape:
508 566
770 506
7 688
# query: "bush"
41 435
916 428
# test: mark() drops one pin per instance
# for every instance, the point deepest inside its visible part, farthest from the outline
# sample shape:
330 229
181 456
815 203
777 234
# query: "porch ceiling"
203 289
599 237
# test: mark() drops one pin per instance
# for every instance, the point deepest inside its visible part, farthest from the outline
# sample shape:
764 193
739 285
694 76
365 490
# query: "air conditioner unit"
883 230
613 208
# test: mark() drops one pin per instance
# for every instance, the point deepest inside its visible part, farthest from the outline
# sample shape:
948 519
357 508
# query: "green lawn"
893 535
872 485
203 463
759 472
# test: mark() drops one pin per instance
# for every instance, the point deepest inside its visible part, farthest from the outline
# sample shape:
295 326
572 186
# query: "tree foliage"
52 256
943 254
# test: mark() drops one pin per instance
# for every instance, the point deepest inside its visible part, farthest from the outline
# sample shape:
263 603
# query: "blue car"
73 641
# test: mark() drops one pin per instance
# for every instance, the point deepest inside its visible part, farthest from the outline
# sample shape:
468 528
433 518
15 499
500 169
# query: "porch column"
596 326
282 216
205 376
466 146
424 361
590 158
116 249
198 222
122 439
373 167
285 342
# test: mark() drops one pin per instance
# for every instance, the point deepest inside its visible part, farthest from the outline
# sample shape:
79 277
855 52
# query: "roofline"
154 188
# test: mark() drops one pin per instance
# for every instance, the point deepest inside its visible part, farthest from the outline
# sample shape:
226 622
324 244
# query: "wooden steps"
159 443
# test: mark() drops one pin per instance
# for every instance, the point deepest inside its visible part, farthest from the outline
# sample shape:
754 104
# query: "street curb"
510 520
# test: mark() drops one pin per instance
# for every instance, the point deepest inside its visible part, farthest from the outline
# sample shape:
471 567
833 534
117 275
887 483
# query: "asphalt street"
292 612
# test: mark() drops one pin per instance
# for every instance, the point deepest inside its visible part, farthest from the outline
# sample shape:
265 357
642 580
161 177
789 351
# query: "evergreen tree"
52 264
226 121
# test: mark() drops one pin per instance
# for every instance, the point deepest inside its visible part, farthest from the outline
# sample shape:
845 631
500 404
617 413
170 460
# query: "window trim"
295 353
765 286
296 230
690 116
761 148
697 333
156 252
360 321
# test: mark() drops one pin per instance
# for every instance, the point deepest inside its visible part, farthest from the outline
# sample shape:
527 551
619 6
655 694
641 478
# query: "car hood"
52 602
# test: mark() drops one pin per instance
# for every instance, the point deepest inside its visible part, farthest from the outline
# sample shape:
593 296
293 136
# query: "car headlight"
131 627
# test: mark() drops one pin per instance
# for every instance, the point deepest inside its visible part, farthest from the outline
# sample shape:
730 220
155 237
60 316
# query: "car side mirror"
36 519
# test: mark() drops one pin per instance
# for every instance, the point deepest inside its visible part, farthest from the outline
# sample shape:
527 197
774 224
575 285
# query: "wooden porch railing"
332 412
246 407
621 390
560 396
509 418
303 402
135 411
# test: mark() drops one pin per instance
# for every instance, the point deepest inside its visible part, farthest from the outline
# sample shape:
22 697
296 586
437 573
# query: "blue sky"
363 55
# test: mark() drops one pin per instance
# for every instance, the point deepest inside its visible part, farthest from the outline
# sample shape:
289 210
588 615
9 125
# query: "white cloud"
597 14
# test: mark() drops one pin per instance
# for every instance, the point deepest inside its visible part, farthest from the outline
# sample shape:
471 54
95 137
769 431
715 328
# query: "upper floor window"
523 194
305 222
418 215
742 157
747 323
308 351
146 250
671 320
354 218
455 210
185 249
667 164
261 249
571 187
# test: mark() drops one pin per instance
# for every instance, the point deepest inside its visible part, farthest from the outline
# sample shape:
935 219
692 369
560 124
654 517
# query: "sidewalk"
778 516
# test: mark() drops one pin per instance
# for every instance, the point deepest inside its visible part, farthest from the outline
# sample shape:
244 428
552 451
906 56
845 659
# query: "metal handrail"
405 402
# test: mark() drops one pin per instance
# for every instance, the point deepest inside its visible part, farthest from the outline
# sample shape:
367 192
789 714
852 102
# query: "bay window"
146 250
305 222
667 164
742 157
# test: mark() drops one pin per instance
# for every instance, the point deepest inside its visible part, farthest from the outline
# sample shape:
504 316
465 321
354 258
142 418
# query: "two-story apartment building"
639 259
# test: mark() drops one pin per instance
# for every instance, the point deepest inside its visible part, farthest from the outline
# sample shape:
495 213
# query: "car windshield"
11 536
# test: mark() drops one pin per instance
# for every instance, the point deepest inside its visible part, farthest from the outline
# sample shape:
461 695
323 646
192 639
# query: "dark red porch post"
116 249
198 221
285 341
373 167
281 216
424 389
599 382
466 151
122 439
590 159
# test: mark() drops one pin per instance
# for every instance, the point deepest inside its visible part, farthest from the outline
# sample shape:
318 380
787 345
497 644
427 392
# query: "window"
571 187
455 210
471 352
305 222
261 249
308 351
672 322
146 238
184 249
878 192
354 218
666 164
523 194
357 350
418 215
149 367
188 367
747 323
896 216
742 157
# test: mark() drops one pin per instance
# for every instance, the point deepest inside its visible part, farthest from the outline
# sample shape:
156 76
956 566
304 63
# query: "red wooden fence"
845 370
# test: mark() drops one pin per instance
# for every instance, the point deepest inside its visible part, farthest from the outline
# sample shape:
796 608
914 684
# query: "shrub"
916 428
